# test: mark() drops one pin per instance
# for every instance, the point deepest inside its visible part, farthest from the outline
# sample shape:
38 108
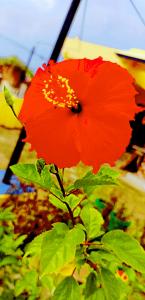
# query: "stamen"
58 92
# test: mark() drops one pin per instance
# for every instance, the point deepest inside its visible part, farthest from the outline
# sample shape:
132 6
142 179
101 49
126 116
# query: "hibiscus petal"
52 135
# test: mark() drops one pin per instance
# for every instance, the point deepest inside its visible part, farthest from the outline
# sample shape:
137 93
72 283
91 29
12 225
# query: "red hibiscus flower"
79 110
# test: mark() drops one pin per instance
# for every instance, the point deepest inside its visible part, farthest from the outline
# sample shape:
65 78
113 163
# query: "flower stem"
59 181
63 192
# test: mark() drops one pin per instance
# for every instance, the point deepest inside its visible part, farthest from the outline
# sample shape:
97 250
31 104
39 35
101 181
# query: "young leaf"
92 220
109 172
112 287
105 176
30 173
9 99
40 163
126 248
67 289
58 249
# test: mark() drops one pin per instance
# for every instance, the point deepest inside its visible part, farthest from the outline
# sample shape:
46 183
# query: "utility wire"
6 38
138 12
81 34
13 41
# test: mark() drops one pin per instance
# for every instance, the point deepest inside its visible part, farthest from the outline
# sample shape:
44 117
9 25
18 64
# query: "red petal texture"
100 132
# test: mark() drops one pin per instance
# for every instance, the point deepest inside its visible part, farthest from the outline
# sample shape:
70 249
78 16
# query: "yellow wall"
75 48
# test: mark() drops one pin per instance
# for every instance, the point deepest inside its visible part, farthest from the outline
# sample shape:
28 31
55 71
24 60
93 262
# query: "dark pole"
54 56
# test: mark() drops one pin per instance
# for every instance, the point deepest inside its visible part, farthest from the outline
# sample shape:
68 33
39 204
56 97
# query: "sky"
112 23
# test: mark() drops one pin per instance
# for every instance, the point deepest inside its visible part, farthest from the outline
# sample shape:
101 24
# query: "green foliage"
56 247
10 254
6 214
28 283
78 250
9 245
126 248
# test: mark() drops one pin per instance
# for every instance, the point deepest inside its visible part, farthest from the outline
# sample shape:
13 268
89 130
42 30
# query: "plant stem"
59 181
70 212
63 192
92 265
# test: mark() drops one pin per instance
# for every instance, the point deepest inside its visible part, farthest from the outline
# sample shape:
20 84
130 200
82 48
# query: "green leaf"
56 191
98 295
72 200
112 287
60 228
34 248
102 256
57 203
58 249
45 180
47 282
126 248
91 285
92 220
76 212
105 176
68 289
30 173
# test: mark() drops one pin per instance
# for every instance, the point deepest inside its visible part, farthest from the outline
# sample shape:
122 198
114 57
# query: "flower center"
58 92
76 109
